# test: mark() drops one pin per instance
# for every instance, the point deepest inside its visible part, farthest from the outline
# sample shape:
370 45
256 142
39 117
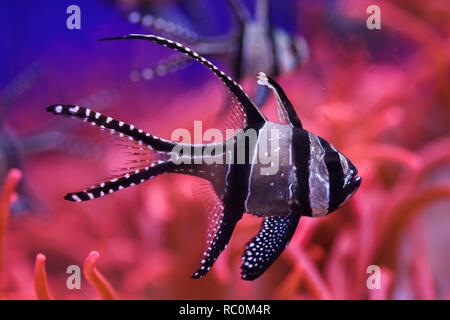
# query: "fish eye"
352 169
348 168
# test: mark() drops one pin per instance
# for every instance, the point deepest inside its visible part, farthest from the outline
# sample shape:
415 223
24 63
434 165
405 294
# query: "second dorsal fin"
285 108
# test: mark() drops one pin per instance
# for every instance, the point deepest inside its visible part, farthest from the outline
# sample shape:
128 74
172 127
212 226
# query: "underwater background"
382 97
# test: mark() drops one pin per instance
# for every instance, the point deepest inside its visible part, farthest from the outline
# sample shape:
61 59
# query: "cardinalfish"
254 45
263 47
312 178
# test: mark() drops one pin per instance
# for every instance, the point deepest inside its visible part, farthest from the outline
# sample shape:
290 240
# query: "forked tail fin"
116 184
105 122
156 152
153 156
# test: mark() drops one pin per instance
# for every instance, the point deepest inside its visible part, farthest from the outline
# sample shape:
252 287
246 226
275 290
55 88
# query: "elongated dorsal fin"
285 106
253 115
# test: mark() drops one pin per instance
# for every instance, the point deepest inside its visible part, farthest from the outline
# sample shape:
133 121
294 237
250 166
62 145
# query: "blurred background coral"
380 96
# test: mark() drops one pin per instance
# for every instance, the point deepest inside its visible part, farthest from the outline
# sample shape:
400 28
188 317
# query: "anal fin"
222 224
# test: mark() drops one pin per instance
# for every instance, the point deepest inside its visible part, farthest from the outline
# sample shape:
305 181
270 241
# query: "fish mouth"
353 185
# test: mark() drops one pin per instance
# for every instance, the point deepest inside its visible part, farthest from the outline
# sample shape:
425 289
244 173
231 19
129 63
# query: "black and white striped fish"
254 45
313 177
261 46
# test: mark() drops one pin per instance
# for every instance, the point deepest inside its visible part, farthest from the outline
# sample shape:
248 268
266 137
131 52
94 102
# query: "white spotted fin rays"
312 178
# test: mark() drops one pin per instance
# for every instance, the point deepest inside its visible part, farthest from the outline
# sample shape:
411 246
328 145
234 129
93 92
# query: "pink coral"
40 279
96 279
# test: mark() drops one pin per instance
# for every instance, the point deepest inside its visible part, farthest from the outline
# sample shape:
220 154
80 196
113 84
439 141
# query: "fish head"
351 180
332 178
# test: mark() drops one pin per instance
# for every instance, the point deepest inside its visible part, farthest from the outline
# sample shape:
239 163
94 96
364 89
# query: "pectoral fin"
268 244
